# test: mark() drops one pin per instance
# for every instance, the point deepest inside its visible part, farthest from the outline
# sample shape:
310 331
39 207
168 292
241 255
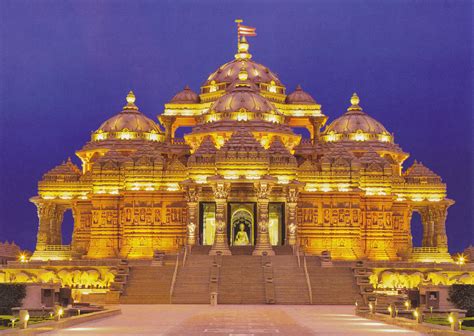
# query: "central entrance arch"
241 224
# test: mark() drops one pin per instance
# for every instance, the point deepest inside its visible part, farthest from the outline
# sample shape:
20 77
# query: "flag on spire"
245 30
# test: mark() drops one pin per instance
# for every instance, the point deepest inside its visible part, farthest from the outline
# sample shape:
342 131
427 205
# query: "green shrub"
11 296
462 296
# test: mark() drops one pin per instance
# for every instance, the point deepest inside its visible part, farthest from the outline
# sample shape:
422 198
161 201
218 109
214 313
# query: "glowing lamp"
153 136
231 176
343 187
125 135
242 116
23 258
200 179
283 179
65 196
359 136
48 197
384 138
100 136
460 259
331 137
326 188
172 187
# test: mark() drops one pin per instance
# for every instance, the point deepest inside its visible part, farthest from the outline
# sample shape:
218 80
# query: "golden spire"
355 103
243 49
130 102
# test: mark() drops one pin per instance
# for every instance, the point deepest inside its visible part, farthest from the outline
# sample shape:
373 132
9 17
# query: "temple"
242 176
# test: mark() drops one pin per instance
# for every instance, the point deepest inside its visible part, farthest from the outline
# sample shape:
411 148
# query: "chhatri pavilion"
242 177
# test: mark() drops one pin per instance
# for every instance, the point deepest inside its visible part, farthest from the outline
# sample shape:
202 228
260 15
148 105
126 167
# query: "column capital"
220 187
293 191
191 191
263 187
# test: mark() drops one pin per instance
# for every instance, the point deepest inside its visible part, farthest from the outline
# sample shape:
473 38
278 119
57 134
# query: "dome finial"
130 102
243 49
354 103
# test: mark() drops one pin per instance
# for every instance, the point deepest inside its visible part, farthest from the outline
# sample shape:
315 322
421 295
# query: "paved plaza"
234 320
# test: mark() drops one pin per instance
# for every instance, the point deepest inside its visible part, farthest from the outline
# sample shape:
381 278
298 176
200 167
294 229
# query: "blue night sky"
66 66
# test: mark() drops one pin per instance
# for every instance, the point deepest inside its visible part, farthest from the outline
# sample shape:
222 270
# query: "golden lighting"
326 188
331 137
283 179
125 135
359 136
384 138
242 116
460 259
23 258
153 136
343 187
252 176
48 197
65 196
311 187
415 313
272 88
100 136
231 176
172 187
200 179
213 87
243 75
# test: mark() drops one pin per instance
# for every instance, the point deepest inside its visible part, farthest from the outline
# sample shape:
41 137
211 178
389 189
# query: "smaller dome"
130 119
185 96
300 97
357 123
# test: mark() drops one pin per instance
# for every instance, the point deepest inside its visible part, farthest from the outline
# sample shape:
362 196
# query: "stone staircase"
149 284
193 280
289 281
241 280
332 285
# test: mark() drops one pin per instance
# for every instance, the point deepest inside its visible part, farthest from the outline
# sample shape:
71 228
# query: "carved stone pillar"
192 198
433 217
263 245
50 218
292 225
316 124
168 122
439 234
221 192
427 219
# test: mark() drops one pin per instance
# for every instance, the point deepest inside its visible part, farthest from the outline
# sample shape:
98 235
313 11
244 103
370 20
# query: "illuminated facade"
242 177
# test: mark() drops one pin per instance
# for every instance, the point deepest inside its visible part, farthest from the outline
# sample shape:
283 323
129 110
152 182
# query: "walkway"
234 320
